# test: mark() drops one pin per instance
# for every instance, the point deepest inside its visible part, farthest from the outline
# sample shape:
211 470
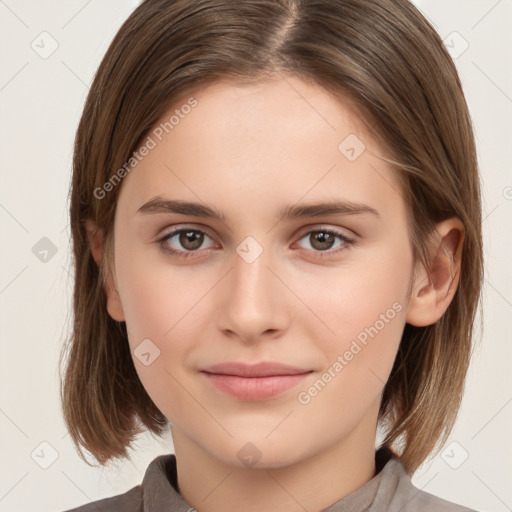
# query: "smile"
256 381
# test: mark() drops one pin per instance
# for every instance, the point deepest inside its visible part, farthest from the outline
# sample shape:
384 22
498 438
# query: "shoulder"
409 498
129 501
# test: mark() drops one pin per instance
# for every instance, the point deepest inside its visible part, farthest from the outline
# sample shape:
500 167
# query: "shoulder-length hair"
381 55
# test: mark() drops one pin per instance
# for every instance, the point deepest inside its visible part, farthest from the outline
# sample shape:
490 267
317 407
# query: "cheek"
165 304
158 315
354 296
147 305
364 309
156 296
368 322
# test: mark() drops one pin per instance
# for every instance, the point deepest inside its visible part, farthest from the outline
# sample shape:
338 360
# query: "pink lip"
255 381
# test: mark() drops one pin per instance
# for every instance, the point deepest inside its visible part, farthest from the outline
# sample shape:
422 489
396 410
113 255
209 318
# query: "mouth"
254 382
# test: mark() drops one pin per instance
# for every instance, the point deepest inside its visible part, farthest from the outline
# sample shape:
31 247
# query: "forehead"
266 139
264 109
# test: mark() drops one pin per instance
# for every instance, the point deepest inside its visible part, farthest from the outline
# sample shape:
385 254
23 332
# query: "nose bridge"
251 277
252 301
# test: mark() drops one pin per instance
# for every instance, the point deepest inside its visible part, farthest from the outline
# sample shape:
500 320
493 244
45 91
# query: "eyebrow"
160 205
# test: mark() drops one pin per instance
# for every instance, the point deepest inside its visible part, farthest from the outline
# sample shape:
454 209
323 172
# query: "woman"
276 226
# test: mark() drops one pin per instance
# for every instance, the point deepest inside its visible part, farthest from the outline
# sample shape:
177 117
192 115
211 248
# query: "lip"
254 382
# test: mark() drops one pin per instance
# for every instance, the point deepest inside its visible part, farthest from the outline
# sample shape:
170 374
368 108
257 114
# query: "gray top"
390 490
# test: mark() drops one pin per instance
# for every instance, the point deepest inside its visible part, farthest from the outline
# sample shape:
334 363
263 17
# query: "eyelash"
348 241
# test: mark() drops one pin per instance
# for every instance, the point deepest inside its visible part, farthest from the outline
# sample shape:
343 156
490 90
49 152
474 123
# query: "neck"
313 483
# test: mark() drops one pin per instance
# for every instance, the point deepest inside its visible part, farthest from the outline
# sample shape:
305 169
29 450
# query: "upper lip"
264 369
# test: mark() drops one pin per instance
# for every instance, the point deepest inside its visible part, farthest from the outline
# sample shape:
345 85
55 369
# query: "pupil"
191 239
323 240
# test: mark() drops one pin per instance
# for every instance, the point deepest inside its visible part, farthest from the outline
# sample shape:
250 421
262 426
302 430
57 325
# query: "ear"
96 242
432 295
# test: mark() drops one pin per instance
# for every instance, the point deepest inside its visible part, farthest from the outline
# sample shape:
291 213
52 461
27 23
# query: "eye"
322 239
189 241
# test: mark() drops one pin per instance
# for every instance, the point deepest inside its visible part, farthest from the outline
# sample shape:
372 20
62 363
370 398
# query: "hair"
384 58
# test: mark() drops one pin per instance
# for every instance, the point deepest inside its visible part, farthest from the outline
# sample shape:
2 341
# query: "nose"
253 304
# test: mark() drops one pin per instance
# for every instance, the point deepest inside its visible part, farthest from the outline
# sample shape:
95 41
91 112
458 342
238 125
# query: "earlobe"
431 295
96 242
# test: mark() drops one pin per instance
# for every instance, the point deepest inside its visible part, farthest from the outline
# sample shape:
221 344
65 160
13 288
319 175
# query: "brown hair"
384 57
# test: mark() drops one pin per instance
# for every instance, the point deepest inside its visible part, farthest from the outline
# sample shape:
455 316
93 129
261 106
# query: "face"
322 290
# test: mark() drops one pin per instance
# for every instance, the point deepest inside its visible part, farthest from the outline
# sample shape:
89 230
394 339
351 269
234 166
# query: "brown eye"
191 240
183 242
321 240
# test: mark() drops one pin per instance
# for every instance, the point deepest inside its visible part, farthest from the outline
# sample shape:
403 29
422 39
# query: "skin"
248 151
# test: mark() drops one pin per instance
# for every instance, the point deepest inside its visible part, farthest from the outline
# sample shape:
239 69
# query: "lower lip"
254 388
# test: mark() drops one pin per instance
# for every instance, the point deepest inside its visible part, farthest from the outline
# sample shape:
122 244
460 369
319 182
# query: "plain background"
41 100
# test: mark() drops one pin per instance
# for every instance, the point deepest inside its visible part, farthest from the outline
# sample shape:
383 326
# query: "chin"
258 452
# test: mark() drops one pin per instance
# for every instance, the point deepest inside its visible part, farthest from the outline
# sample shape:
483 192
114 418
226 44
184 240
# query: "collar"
160 493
